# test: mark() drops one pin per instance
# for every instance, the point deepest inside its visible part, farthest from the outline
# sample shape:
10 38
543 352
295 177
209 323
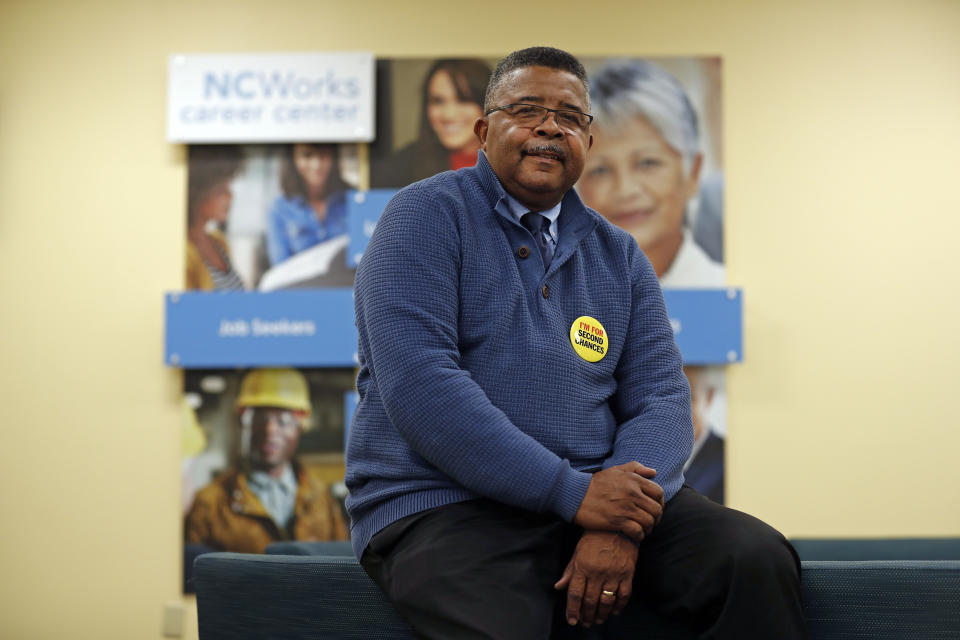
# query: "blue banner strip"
707 324
315 327
297 328
363 211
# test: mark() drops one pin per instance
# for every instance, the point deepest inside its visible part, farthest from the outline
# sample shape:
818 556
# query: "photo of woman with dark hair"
451 101
313 206
212 168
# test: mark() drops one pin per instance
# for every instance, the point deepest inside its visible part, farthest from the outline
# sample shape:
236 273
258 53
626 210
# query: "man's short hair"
534 57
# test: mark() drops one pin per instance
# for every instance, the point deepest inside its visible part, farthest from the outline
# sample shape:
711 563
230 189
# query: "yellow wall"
843 199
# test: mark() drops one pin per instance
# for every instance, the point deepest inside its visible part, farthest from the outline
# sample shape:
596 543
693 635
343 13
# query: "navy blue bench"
301 595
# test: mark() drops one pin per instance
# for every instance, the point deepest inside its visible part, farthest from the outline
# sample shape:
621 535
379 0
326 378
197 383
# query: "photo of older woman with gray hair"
644 174
645 166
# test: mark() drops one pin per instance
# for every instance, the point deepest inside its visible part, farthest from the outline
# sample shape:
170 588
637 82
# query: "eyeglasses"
533 115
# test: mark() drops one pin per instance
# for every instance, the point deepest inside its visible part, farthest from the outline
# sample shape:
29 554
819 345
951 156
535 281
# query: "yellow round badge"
589 339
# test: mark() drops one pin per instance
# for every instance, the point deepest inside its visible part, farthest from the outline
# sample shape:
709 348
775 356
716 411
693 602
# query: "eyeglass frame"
547 111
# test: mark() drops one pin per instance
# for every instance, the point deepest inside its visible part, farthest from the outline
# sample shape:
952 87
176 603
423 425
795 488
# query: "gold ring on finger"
607 593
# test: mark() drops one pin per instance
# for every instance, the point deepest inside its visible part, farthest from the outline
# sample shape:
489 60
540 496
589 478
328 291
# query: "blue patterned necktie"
539 226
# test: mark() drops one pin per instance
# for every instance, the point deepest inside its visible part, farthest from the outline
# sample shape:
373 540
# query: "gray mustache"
545 149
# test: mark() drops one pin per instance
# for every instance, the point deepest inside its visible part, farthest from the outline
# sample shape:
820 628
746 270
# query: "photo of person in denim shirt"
312 208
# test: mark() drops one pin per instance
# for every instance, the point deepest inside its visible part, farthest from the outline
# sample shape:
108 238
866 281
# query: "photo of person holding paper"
312 207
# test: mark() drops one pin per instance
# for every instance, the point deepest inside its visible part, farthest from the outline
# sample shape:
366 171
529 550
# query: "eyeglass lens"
535 115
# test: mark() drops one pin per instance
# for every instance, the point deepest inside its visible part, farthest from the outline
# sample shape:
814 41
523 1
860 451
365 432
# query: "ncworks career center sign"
271 97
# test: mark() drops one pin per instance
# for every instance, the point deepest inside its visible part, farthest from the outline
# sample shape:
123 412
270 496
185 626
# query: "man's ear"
480 129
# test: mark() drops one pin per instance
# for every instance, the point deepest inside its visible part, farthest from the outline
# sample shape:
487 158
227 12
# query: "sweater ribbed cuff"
568 492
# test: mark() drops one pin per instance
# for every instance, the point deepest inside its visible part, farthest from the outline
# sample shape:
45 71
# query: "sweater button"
545 291
523 251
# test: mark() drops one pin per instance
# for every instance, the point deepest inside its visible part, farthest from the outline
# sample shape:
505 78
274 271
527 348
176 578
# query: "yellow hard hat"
283 388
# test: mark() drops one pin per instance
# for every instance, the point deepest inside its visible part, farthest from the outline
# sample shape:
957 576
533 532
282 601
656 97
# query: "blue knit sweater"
469 385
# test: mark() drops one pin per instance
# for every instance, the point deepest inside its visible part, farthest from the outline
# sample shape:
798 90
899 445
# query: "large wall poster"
263 447
656 170
426 109
263 457
268 217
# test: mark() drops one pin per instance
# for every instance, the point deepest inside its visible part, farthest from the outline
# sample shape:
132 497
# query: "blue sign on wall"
707 324
363 211
315 327
301 328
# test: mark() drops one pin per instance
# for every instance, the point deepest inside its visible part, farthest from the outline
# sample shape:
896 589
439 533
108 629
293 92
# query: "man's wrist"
568 492
627 538
619 534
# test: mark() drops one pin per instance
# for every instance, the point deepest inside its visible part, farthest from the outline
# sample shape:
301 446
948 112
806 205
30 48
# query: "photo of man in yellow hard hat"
268 496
